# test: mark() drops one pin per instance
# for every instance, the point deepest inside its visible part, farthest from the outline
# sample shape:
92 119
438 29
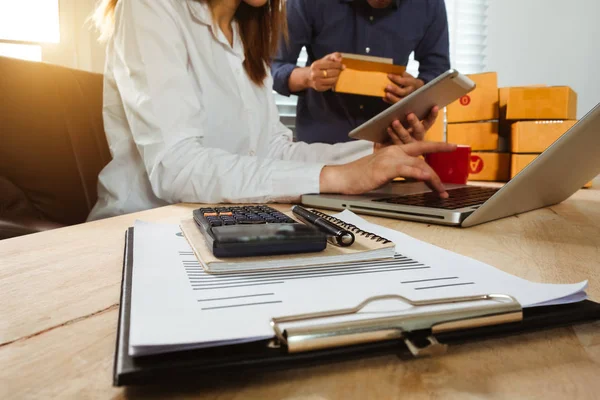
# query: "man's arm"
433 52
287 78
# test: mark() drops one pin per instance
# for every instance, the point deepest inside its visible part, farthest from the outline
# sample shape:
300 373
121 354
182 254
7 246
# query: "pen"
335 234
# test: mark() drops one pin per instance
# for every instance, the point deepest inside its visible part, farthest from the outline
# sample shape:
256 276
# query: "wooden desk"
59 303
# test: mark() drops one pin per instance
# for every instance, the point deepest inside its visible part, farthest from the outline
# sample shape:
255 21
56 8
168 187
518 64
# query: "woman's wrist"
331 179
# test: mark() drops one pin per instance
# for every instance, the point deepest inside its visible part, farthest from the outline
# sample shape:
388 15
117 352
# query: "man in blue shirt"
382 28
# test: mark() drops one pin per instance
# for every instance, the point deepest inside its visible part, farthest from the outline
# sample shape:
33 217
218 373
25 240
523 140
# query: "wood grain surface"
59 294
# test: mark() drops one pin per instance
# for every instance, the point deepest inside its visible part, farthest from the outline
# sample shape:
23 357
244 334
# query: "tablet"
443 90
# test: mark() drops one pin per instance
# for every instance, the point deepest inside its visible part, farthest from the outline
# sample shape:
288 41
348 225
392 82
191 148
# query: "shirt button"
371 18
368 50
251 153
362 107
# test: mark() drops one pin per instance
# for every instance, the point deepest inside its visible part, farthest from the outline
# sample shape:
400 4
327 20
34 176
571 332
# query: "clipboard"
424 334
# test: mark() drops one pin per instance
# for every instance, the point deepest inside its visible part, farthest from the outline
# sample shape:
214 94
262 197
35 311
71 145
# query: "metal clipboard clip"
492 309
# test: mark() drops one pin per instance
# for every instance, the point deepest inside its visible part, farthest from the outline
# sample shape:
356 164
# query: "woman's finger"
434 182
408 171
419 148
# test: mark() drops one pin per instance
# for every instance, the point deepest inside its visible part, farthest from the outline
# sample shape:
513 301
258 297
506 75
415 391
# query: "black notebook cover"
206 364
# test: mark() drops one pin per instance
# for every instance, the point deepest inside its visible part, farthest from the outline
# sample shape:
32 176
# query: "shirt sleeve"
433 51
282 146
299 32
165 117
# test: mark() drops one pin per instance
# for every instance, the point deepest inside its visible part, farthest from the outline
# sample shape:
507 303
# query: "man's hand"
379 168
401 86
323 74
416 130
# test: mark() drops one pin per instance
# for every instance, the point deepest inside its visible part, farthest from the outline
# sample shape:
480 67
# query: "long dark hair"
260 31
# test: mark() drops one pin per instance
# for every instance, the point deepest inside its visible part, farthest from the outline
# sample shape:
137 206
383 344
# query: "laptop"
568 164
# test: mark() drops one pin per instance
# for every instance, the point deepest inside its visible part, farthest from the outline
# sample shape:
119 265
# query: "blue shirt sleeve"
300 31
433 51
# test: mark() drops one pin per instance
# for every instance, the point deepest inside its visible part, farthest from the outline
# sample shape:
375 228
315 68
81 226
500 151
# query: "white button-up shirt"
185 123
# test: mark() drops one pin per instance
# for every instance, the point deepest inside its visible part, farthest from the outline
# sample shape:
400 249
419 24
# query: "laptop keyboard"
461 197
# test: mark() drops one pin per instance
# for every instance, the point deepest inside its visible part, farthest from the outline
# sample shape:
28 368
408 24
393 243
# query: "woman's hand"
374 171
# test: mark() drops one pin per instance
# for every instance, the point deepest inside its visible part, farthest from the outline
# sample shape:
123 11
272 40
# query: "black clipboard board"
207 364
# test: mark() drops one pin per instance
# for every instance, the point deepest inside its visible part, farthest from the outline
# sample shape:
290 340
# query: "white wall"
554 42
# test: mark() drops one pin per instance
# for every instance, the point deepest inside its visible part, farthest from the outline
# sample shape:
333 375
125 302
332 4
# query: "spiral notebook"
366 247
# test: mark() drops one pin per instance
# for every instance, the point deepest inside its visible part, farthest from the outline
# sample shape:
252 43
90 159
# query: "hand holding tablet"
441 91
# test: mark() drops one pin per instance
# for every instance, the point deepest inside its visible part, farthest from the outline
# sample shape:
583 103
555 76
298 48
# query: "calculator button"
242 215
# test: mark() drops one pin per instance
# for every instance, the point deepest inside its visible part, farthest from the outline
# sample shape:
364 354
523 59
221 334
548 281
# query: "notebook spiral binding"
353 228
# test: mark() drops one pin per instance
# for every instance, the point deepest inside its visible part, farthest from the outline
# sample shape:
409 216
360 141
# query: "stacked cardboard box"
541 103
473 121
537 117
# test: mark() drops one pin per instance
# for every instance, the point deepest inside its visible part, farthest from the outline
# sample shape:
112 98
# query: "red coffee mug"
451 167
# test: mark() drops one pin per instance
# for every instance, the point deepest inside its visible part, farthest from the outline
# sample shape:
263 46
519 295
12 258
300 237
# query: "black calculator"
244 231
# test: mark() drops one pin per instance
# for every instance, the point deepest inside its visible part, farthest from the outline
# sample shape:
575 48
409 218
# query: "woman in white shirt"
190 116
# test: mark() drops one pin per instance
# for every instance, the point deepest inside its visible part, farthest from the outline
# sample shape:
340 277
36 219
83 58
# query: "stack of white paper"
175 305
